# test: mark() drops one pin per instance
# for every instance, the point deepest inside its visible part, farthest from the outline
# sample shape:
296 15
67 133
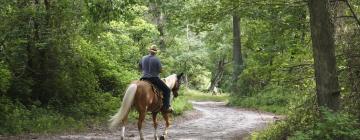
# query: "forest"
65 64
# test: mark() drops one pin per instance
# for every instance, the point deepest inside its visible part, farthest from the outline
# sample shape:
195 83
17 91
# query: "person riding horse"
141 95
151 68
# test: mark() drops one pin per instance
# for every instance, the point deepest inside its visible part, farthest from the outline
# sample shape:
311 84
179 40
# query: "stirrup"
169 110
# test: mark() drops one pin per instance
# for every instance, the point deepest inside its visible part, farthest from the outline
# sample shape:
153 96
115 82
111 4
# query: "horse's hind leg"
122 130
140 122
155 125
123 123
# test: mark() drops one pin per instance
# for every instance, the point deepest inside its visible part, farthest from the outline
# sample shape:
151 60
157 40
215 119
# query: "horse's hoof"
162 137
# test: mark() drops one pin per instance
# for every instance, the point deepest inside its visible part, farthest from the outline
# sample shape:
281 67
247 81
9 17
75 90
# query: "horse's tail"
125 106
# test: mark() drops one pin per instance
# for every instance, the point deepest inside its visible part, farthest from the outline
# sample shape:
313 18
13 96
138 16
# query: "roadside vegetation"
65 64
196 95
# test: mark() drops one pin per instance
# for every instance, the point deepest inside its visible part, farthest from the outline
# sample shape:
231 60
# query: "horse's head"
177 84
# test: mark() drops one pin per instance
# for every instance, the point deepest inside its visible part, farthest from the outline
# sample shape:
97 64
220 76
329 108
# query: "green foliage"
201 96
67 62
190 63
301 115
340 125
95 105
251 82
276 131
272 99
180 105
106 11
303 122
16 118
5 77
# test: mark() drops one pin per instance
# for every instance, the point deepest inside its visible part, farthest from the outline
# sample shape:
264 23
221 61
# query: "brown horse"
141 95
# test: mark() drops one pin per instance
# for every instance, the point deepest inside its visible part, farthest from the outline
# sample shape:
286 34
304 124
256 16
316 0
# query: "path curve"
220 122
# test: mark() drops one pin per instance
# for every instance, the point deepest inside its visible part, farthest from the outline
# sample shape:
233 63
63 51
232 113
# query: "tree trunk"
322 34
217 74
237 56
155 7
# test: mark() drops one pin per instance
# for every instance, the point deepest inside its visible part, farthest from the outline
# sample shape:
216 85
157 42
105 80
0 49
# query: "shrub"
303 123
13 116
201 96
15 119
300 116
340 125
276 131
5 77
272 99
180 105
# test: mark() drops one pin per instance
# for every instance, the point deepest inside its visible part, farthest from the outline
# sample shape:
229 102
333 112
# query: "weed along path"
209 120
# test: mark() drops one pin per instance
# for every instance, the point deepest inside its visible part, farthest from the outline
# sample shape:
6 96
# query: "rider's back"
150 66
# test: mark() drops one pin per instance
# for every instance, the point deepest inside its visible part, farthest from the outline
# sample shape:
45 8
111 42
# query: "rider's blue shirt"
150 66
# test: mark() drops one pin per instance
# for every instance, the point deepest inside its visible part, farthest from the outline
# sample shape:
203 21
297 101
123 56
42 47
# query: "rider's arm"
140 66
160 67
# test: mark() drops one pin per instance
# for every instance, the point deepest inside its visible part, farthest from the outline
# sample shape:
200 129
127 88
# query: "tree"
237 56
215 12
159 19
322 34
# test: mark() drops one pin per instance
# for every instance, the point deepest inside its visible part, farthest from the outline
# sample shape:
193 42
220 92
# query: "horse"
140 94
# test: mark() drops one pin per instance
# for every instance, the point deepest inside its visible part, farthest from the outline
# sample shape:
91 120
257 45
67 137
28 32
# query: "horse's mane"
170 80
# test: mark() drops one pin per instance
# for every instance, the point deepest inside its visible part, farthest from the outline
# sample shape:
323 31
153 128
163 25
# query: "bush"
201 96
273 99
340 125
303 123
15 119
276 131
300 116
180 105
13 116
5 77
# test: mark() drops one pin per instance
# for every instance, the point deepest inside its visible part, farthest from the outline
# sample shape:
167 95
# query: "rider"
151 68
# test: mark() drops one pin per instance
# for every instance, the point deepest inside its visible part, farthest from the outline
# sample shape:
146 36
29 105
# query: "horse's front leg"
155 125
167 123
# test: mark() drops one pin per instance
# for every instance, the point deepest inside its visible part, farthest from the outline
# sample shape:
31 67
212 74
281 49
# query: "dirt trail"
220 122
209 120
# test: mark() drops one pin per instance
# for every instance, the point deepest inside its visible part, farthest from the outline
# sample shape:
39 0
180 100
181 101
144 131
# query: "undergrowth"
196 95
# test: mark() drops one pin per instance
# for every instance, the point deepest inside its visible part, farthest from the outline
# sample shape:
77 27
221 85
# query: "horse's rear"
146 99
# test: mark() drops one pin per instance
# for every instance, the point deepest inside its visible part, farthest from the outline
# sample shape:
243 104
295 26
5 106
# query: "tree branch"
299 65
352 11
344 17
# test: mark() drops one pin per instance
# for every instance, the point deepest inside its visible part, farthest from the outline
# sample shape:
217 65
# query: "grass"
275 100
260 102
196 95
